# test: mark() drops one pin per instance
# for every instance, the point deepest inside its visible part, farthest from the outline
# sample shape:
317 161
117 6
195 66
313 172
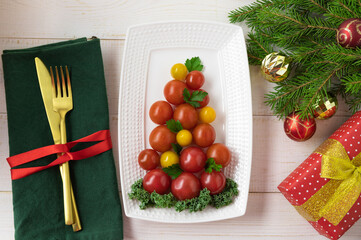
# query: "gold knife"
54 122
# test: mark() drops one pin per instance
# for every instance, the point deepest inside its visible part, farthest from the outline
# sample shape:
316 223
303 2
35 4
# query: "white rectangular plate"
150 52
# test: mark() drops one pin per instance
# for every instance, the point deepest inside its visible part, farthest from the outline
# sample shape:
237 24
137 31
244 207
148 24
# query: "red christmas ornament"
349 33
297 129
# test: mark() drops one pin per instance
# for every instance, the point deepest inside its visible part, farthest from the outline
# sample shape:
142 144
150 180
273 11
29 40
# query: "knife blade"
46 92
45 84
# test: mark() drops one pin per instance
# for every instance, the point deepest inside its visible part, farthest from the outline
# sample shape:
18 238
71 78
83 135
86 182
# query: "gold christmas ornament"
325 107
275 67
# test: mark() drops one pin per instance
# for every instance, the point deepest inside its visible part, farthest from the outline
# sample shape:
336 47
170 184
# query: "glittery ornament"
275 67
325 107
297 129
349 33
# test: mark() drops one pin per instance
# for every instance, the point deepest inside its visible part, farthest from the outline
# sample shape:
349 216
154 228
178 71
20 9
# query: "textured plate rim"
250 122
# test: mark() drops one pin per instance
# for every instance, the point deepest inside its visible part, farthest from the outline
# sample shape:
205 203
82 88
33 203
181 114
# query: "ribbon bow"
336 197
103 144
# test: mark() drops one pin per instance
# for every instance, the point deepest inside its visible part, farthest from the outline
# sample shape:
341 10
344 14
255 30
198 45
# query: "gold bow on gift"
337 196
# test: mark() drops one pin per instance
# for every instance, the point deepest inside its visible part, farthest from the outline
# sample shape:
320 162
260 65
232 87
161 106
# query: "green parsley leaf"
194 104
186 94
211 165
194 64
174 126
195 98
177 148
198 96
173 171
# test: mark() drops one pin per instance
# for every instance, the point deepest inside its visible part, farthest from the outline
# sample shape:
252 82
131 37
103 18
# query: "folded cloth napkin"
38 198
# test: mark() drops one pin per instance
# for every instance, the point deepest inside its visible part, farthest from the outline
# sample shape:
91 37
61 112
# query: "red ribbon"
104 144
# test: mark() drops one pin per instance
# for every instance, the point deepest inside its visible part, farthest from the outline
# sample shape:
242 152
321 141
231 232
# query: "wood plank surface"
269 216
106 19
6 216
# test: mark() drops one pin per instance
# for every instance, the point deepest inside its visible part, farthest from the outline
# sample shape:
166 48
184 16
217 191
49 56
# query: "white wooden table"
269 216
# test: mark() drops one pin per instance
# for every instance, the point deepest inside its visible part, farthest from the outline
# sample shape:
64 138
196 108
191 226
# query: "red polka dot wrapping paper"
306 179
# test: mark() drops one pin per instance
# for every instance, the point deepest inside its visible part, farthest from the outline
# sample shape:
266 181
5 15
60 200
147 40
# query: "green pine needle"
304 30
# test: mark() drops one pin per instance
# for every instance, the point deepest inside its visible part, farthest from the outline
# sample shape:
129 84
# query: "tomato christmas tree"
188 172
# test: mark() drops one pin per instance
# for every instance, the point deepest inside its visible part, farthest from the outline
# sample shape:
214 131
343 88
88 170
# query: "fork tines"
64 91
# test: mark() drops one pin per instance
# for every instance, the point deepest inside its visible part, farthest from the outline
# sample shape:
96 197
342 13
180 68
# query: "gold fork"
62 104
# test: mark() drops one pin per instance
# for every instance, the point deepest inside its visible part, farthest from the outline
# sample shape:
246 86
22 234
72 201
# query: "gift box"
325 189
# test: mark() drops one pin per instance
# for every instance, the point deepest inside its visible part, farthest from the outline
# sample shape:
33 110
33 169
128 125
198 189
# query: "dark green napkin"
38 198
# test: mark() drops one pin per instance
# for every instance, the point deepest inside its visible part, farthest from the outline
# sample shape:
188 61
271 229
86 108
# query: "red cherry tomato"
186 186
214 181
160 112
205 100
148 159
204 135
157 180
161 138
192 159
220 153
195 80
187 115
173 92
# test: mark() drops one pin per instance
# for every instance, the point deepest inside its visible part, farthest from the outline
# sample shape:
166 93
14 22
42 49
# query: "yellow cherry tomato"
207 114
168 159
179 71
184 137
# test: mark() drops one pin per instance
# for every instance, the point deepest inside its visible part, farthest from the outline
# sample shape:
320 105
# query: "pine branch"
258 47
302 91
352 83
323 9
286 97
304 30
336 53
318 5
303 25
307 53
289 26
249 11
306 108
245 12
256 59
354 102
347 8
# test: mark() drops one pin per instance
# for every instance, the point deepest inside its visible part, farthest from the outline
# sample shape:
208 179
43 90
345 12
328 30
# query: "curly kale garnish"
140 194
163 201
195 204
150 200
225 198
